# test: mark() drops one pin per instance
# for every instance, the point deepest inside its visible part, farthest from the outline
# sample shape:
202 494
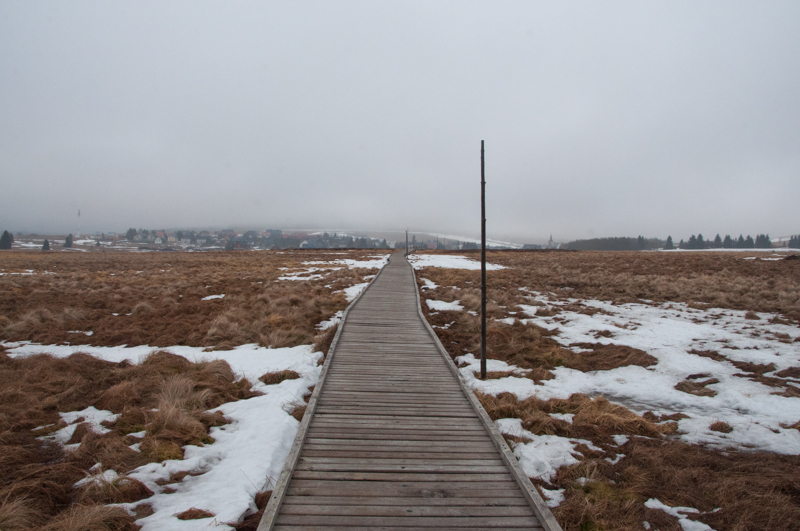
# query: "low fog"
600 119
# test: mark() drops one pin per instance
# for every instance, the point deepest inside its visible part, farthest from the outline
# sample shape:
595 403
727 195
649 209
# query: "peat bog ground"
642 390
133 386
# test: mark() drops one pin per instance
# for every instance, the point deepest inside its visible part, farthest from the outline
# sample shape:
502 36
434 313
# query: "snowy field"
248 453
741 369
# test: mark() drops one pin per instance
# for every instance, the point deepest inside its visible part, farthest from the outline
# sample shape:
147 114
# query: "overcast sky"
600 118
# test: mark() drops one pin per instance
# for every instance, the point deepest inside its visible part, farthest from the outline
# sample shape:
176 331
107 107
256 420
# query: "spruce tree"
46 245
68 241
717 242
669 245
5 240
740 244
681 245
701 243
131 234
749 243
727 243
692 243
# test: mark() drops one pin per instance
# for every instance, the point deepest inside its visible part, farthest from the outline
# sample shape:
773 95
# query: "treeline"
615 244
762 241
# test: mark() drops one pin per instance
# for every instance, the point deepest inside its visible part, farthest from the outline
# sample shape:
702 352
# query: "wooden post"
406 242
483 268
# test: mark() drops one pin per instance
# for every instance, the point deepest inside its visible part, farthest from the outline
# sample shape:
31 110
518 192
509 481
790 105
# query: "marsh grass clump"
92 518
166 396
272 378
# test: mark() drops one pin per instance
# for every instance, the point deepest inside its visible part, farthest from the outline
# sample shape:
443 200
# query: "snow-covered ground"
248 453
448 261
669 332
759 417
313 273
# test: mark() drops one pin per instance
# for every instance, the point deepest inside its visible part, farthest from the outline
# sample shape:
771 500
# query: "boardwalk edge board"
541 509
279 491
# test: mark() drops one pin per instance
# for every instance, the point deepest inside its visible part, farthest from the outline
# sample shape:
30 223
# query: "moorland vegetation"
161 403
735 489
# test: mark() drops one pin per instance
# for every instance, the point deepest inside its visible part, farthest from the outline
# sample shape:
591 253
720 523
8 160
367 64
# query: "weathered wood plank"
416 502
406 510
481 522
392 528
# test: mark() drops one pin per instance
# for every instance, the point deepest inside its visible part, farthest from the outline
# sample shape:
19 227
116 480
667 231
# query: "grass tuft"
272 378
194 514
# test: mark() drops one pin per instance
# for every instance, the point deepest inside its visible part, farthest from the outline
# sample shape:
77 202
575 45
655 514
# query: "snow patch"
439 306
448 262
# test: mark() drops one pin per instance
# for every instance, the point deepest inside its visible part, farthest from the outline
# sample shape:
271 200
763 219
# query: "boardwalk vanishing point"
392 439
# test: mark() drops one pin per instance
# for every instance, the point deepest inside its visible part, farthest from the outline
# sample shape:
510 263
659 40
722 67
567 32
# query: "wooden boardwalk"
392 439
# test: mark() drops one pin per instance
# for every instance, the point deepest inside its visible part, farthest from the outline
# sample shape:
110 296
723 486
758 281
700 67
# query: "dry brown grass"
166 396
158 301
18 515
739 491
720 426
752 490
720 280
194 514
596 419
92 518
157 297
272 378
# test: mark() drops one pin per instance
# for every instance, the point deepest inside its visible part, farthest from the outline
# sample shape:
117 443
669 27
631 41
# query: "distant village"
229 239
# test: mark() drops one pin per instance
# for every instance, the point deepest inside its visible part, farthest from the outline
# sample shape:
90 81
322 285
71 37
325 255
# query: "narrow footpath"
392 439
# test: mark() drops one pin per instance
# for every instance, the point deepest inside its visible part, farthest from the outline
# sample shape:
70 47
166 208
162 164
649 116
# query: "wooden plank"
391 528
423 475
481 522
444 454
398 461
407 510
416 502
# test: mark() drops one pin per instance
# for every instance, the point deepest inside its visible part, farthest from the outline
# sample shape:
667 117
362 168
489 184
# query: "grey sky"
600 118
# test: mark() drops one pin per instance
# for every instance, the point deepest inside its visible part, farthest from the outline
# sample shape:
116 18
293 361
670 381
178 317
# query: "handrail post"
483 267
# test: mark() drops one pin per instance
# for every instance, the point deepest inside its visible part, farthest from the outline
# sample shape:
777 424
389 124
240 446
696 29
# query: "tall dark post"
483 268
406 242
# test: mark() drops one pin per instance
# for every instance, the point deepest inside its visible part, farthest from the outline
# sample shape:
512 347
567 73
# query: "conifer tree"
669 245
692 243
701 243
727 243
46 245
740 242
681 245
5 240
717 242
749 243
68 241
